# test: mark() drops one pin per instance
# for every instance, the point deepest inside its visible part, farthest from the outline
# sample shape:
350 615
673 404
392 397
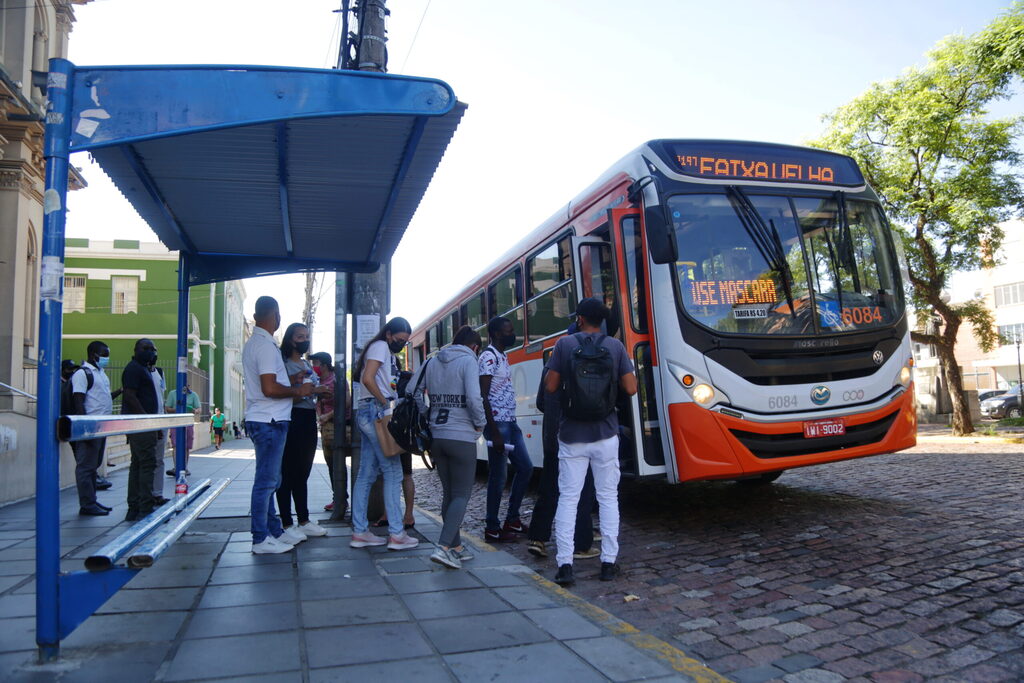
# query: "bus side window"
552 296
636 262
598 279
505 298
474 314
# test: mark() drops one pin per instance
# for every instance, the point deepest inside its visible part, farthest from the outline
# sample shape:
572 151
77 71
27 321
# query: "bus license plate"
819 428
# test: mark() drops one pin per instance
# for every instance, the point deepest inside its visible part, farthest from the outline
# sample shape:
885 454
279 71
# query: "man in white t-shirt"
90 395
268 411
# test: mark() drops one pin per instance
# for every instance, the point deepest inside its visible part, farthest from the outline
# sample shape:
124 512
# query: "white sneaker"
270 546
311 528
402 541
292 536
448 558
365 539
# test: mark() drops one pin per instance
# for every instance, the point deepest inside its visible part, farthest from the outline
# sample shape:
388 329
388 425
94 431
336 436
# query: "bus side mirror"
661 239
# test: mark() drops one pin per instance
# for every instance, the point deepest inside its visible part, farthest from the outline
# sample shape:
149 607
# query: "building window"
1011 334
74 294
124 294
1009 295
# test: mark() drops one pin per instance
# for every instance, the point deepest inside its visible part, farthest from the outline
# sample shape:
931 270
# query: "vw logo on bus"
878 357
820 394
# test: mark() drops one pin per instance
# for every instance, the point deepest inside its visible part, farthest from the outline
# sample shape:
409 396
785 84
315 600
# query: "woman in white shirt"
377 390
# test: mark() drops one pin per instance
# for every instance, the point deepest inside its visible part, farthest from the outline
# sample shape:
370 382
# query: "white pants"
573 459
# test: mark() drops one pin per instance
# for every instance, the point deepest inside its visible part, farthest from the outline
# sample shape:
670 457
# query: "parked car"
989 393
1003 405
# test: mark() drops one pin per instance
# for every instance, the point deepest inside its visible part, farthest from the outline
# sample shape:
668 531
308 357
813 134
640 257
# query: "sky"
558 90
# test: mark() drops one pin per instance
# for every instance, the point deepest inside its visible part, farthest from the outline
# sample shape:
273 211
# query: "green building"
121 291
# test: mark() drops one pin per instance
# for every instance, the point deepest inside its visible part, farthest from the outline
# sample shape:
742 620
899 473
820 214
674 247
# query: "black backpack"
410 427
67 401
589 388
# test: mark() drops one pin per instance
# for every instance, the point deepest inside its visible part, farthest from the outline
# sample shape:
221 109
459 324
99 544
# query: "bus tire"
761 479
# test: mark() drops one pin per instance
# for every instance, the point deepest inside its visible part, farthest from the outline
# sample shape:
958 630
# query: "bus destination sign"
754 169
731 292
759 162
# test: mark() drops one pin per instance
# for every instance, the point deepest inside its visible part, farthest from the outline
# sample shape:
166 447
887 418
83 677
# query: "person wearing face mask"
268 408
323 366
300 444
378 387
456 414
500 405
140 398
91 395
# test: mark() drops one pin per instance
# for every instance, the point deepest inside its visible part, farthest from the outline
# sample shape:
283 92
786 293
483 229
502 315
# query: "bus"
757 288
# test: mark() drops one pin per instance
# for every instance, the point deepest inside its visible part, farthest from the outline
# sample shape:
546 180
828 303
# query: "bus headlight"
905 375
703 394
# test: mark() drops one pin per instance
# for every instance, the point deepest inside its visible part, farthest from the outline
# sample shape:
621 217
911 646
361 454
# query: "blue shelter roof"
254 170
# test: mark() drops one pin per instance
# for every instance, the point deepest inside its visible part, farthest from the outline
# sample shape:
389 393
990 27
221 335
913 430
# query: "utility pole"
366 296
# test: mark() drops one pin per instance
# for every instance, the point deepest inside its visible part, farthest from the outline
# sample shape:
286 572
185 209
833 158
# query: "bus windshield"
777 265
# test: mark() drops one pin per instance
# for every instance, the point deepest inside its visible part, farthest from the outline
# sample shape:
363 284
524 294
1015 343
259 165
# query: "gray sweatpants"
456 466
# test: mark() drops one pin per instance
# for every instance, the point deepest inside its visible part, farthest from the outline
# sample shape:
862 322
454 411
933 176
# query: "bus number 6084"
780 402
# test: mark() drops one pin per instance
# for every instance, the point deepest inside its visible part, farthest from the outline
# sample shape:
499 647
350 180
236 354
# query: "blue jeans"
372 463
268 441
522 466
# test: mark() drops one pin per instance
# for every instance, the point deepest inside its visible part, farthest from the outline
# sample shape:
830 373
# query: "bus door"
600 274
638 336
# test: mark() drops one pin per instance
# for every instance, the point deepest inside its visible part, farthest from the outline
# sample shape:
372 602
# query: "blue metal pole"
182 355
56 150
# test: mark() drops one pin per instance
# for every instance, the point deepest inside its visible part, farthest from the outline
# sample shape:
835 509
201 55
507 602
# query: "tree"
316 286
945 173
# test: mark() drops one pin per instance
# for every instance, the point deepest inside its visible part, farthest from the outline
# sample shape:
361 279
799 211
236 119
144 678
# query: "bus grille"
803 367
785 445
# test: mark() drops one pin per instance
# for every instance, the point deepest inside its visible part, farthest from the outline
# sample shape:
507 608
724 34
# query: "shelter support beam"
281 129
342 361
56 151
180 438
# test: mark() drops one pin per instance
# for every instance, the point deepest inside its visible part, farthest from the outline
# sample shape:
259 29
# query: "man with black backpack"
589 369
88 393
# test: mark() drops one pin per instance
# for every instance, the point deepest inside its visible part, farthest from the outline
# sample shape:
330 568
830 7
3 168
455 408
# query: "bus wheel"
761 479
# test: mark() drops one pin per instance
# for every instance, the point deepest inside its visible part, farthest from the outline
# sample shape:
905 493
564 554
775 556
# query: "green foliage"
946 172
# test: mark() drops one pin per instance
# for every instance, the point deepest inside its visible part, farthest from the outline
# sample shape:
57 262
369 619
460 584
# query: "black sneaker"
609 570
564 576
103 484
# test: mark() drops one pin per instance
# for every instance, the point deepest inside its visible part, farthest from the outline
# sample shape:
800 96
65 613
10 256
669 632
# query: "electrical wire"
414 37
333 42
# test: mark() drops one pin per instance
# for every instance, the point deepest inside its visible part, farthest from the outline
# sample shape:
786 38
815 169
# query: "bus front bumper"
710 445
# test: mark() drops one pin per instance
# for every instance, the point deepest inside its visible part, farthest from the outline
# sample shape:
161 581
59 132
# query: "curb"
675 658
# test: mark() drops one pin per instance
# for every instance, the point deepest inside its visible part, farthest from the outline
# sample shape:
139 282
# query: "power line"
414 37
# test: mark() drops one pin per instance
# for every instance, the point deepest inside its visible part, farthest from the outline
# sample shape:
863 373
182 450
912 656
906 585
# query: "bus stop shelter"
245 171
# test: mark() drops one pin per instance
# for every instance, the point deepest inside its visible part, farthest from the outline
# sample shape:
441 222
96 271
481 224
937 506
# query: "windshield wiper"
766 239
846 241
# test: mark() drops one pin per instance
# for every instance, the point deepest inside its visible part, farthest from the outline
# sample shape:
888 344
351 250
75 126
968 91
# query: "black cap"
592 310
67 364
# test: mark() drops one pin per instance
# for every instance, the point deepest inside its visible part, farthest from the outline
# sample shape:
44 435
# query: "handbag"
388 445
408 426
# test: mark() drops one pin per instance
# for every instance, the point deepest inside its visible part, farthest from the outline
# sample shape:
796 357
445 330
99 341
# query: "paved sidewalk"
209 609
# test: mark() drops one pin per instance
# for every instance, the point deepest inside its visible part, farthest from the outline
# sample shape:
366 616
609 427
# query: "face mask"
396 346
102 361
301 347
508 340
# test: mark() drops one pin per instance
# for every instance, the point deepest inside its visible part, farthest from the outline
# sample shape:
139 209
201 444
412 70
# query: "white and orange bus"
757 288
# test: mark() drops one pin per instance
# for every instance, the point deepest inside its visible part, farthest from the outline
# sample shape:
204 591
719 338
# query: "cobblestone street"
902 567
